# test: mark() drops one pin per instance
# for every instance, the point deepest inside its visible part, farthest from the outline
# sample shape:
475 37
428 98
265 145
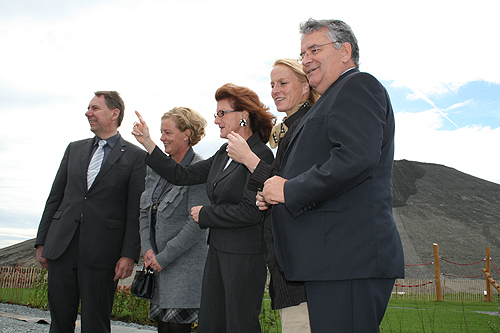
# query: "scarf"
280 129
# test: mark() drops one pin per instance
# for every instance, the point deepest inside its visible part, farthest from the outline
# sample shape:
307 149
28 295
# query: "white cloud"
459 105
430 46
15 232
471 149
11 236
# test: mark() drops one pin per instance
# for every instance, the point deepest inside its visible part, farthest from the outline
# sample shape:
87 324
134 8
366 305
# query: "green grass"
402 315
127 307
269 319
15 296
432 316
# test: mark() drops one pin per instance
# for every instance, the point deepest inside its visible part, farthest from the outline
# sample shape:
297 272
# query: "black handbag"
144 284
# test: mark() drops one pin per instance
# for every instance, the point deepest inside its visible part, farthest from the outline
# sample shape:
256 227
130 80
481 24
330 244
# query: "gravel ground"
11 325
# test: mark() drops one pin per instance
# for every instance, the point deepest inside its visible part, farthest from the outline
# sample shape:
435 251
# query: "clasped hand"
150 261
273 193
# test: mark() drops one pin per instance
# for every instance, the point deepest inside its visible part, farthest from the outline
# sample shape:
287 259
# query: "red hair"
244 99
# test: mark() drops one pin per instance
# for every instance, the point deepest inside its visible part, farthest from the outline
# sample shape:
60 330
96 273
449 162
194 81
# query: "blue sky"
480 99
437 59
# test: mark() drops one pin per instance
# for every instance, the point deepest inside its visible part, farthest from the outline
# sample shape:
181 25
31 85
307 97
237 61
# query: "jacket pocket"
115 224
57 214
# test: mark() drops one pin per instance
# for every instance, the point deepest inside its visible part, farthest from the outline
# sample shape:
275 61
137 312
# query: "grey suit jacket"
234 220
108 213
182 245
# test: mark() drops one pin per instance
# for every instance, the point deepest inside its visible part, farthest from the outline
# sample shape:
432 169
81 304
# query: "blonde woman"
173 244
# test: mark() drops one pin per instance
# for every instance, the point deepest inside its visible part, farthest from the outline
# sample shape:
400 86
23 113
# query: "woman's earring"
243 122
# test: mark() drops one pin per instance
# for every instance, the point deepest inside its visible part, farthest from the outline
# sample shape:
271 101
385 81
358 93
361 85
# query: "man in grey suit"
332 220
88 237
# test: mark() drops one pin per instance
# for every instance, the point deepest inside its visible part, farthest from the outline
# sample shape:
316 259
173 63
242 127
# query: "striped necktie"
95 163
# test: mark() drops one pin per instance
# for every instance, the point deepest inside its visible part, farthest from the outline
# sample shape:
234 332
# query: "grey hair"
338 31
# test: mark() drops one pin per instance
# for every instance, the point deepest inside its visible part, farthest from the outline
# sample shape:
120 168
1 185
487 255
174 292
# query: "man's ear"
346 49
115 115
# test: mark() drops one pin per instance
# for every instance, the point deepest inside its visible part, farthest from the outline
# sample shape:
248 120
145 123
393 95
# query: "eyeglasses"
221 113
312 50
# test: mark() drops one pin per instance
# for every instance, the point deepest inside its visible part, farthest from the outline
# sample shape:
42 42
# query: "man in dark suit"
88 237
333 223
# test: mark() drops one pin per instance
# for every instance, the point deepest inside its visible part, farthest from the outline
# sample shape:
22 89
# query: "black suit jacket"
234 220
337 223
108 213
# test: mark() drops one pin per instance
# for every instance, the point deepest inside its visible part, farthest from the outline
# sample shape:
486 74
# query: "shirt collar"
347 70
188 157
110 141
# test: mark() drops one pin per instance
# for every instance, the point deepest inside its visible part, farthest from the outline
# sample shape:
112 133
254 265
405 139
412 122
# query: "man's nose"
306 59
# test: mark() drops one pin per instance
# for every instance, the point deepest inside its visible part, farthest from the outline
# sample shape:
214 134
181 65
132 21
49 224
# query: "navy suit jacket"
337 223
108 212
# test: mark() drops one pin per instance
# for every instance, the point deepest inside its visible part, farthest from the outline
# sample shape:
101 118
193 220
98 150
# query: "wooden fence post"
488 286
437 272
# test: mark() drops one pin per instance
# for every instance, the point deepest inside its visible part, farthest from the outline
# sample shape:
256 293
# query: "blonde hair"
186 118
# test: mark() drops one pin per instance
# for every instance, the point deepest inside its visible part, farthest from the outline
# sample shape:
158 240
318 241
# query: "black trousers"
232 291
69 281
348 306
